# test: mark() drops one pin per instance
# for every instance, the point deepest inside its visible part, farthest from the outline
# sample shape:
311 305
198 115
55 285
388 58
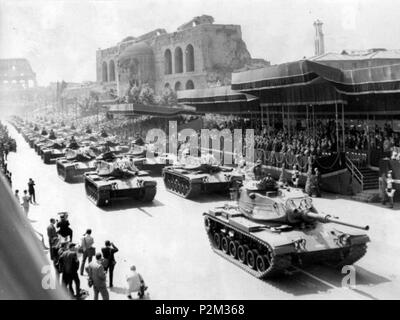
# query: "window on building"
166 85
178 86
189 85
189 58
178 60
167 62
112 71
104 72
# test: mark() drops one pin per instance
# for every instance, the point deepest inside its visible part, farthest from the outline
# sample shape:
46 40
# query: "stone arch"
178 60
189 55
104 72
178 86
111 68
189 85
167 62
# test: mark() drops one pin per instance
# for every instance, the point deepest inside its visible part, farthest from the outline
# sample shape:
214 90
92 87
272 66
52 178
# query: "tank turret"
264 201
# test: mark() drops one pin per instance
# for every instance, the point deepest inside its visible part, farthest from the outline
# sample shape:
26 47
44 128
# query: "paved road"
167 242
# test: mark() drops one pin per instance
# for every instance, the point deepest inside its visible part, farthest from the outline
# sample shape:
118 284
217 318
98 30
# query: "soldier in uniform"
317 181
267 183
52 135
257 170
295 177
389 188
103 133
308 181
282 178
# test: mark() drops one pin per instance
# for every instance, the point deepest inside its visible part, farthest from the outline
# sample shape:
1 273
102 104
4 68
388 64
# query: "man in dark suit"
109 260
70 266
52 235
97 276
63 226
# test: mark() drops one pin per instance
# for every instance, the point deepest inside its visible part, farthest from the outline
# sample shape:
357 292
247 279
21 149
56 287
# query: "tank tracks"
93 195
277 263
181 186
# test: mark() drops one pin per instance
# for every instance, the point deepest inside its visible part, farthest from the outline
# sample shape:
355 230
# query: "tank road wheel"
233 245
251 258
185 188
180 187
241 253
262 263
217 240
176 185
225 244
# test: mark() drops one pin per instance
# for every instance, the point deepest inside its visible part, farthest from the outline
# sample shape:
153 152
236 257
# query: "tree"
168 97
134 94
146 95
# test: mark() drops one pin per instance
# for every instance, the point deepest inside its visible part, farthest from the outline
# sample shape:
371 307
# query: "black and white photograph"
200 150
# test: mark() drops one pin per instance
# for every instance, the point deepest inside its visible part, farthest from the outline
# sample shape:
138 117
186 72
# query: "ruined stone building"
199 54
16 74
17 85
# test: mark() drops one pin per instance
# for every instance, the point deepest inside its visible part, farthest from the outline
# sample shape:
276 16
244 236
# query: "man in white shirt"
87 249
135 283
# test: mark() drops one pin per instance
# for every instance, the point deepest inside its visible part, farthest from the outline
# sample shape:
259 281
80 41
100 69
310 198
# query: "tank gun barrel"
325 218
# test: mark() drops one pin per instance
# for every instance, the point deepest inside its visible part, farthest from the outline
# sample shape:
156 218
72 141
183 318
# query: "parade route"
167 242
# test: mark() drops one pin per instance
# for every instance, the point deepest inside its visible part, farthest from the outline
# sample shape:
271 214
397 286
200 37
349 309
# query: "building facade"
16 74
198 55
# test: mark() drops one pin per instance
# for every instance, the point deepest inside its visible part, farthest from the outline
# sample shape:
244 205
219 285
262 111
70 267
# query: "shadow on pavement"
123 292
298 283
209 197
131 204
119 290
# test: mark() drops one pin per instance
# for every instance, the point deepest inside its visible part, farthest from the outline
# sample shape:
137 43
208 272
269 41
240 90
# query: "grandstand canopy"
362 82
221 100
365 82
132 109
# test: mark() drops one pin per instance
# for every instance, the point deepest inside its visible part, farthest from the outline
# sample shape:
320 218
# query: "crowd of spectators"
321 138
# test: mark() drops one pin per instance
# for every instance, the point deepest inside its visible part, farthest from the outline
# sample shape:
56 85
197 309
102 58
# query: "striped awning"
220 100
131 109
305 81
222 94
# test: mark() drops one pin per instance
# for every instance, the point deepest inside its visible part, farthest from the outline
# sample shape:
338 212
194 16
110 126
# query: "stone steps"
371 178
369 196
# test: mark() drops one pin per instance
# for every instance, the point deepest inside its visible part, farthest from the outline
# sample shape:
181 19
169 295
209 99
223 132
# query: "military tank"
146 157
39 143
118 180
54 150
272 229
195 176
77 162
